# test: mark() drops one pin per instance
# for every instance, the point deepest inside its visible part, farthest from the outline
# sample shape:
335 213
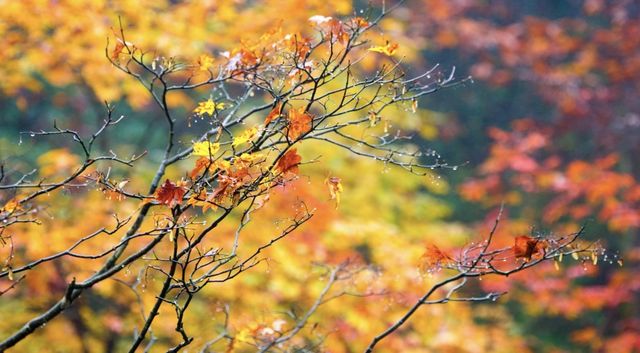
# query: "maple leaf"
245 137
273 114
335 188
205 62
208 107
526 247
299 123
170 194
205 148
201 164
289 162
389 49
432 259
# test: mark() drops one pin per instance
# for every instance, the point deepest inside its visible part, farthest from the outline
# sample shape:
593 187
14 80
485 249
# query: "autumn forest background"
539 126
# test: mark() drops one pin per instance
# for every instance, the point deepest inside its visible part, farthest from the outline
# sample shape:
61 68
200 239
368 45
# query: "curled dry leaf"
335 188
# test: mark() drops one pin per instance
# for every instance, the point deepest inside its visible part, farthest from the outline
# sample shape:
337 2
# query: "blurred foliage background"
549 126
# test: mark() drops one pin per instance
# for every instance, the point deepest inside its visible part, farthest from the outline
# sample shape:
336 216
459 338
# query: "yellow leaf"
11 205
205 62
245 137
208 107
373 119
205 148
389 49
335 188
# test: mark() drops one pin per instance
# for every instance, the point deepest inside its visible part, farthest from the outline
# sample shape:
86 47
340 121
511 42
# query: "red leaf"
170 194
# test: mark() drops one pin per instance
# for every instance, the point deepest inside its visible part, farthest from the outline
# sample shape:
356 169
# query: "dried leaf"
201 164
335 188
115 54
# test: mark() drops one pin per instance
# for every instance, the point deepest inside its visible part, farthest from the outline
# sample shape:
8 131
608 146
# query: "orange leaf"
527 247
360 22
115 54
289 162
299 123
433 258
170 194
201 164
274 114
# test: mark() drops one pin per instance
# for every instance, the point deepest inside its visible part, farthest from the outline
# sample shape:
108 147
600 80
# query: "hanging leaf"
335 188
